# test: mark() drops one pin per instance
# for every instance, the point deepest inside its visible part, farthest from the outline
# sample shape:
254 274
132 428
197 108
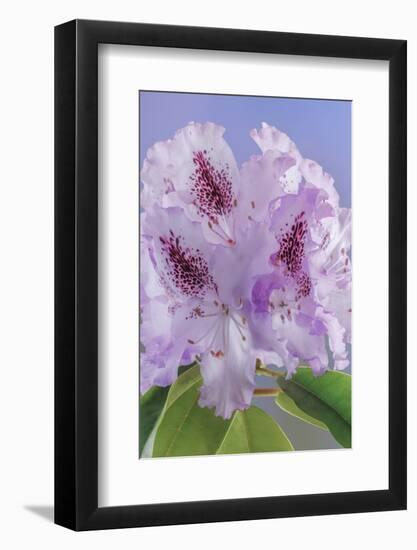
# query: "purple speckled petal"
195 171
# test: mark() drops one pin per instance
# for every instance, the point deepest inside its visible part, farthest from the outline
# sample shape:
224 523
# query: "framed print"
230 275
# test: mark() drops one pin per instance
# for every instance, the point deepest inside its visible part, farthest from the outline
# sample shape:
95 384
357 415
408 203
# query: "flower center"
223 324
186 268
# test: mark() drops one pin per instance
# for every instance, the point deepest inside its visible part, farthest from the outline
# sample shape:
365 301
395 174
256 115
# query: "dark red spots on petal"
186 268
291 245
211 188
291 254
303 285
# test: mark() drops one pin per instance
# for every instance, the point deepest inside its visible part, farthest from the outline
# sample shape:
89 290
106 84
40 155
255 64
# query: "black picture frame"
76 272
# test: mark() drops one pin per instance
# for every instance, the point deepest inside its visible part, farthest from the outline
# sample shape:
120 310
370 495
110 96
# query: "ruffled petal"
228 371
294 324
339 303
314 175
159 356
263 180
308 204
336 334
269 348
269 138
236 267
330 265
181 254
262 290
197 172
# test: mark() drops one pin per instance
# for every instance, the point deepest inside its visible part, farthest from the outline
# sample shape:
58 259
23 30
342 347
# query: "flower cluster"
239 265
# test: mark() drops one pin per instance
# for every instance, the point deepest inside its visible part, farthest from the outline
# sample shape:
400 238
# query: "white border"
123 479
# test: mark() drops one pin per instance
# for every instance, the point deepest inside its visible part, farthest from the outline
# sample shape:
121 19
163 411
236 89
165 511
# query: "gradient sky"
320 128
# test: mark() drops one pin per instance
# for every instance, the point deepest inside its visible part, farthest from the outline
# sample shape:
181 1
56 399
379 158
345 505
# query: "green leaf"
326 398
184 382
288 405
186 429
253 431
151 404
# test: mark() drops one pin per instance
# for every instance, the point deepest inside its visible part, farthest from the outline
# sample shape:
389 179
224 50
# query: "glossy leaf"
253 431
187 380
187 429
150 407
284 401
327 398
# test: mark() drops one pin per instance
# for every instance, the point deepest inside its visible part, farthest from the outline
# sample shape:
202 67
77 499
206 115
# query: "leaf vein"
181 425
319 398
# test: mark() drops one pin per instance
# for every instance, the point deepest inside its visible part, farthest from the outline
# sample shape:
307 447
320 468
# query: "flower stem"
264 371
266 392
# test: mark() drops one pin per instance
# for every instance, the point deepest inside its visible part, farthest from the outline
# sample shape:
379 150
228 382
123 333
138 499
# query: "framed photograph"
230 248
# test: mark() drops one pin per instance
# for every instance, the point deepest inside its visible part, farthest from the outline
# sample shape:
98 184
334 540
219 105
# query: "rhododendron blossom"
240 265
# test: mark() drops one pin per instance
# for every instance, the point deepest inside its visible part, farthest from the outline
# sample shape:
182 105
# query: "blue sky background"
320 128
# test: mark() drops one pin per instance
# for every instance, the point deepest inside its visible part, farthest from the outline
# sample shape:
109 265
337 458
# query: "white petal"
269 138
228 372
195 171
